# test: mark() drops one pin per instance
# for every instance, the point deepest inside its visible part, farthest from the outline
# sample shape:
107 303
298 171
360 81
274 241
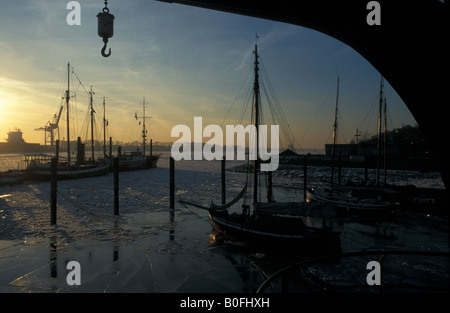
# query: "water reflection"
116 245
200 258
400 232
53 258
116 253
172 224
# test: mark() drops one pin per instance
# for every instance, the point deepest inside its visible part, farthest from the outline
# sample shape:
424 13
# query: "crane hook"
105 40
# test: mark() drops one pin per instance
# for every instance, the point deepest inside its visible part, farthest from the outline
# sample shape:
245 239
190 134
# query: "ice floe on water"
146 249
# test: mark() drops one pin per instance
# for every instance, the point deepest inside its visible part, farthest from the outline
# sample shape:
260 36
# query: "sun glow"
5 104
2 106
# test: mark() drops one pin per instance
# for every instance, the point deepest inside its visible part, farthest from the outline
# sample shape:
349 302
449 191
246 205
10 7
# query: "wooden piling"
53 191
366 171
172 183
269 187
305 176
57 149
172 198
116 186
339 169
222 176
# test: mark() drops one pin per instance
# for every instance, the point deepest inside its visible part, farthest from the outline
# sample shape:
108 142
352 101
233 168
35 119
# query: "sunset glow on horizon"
184 62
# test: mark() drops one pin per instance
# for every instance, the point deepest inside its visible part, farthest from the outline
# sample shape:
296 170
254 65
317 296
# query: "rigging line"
274 113
235 98
85 90
277 113
74 120
329 134
275 116
389 124
79 81
80 207
278 108
98 131
272 100
291 138
244 109
274 96
343 129
317 113
285 127
185 203
85 126
370 110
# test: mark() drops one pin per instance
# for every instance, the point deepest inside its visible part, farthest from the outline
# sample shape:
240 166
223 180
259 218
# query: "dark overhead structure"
410 48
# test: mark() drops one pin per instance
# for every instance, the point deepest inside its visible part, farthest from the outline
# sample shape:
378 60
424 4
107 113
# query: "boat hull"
137 163
347 204
299 240
70 173
12 177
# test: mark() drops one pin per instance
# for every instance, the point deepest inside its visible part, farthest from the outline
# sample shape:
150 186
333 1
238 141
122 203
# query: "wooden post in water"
57 149
339 169
305 175
172 184
53 191
172 198
224 198
110 147
116 186
269 187
366 171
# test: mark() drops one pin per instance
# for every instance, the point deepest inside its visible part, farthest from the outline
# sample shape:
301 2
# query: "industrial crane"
50 127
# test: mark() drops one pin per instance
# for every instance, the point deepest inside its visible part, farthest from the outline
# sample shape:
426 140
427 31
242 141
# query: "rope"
80 207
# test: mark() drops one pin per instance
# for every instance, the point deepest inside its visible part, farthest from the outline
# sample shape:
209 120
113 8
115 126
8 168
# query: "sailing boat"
39 166
137 160
345 200
270 224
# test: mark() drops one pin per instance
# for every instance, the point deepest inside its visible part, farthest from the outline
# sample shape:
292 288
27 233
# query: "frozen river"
145 250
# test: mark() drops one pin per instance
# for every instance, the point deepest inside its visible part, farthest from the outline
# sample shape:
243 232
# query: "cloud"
185 61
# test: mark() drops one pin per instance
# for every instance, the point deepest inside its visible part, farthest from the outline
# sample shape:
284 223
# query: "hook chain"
105 9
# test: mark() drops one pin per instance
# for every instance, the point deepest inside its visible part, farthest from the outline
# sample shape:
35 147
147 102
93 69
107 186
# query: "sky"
185 62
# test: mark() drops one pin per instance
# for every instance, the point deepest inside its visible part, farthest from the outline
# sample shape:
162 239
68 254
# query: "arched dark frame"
410 49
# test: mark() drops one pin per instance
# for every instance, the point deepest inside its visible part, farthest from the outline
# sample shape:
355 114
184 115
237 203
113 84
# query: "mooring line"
80 207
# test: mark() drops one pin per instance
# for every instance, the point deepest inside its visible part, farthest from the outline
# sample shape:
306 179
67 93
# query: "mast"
256 103
67 103
104 128
334 133
379 132
92 125
144 131
385 140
